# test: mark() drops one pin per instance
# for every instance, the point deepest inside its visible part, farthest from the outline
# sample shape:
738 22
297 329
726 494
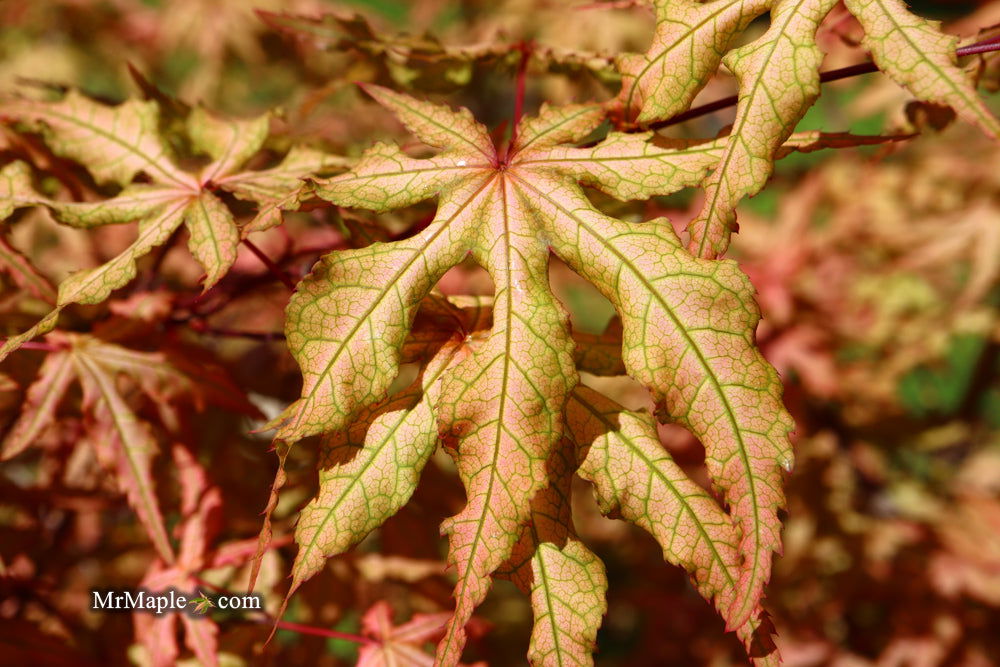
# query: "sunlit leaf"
687 326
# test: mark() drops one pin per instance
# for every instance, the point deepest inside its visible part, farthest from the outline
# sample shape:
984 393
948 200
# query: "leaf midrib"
501 408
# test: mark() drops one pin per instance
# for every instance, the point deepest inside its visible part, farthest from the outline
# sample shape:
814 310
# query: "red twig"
323 632
271 266
295 627
986 46
526 49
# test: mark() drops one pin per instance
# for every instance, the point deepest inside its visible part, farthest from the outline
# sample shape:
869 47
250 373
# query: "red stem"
986 46
522 75
271 266
295 627
323 632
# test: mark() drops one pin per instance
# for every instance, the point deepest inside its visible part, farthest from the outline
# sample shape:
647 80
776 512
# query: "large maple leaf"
117 144
687 328
778 78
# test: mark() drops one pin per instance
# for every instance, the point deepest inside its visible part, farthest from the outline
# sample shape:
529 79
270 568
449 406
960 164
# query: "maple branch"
271 266
985 46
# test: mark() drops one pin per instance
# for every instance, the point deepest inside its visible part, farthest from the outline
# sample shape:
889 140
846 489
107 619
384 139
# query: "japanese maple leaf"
119 143
778 78
687 326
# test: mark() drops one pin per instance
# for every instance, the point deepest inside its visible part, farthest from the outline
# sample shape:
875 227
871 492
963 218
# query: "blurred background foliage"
878 272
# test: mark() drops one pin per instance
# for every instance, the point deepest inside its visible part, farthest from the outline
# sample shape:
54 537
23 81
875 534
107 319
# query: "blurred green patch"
942 389
396 11
589 310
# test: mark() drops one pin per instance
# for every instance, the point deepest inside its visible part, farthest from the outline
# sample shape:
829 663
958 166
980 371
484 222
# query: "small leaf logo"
202 603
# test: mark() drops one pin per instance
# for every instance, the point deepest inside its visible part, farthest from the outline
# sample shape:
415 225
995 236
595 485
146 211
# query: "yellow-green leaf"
778 78
282 187
688 335
635 478
213 238
15 188
499 408
691 38
229 142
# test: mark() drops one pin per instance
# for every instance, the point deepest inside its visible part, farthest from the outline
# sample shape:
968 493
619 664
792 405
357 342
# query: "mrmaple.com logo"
170 601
